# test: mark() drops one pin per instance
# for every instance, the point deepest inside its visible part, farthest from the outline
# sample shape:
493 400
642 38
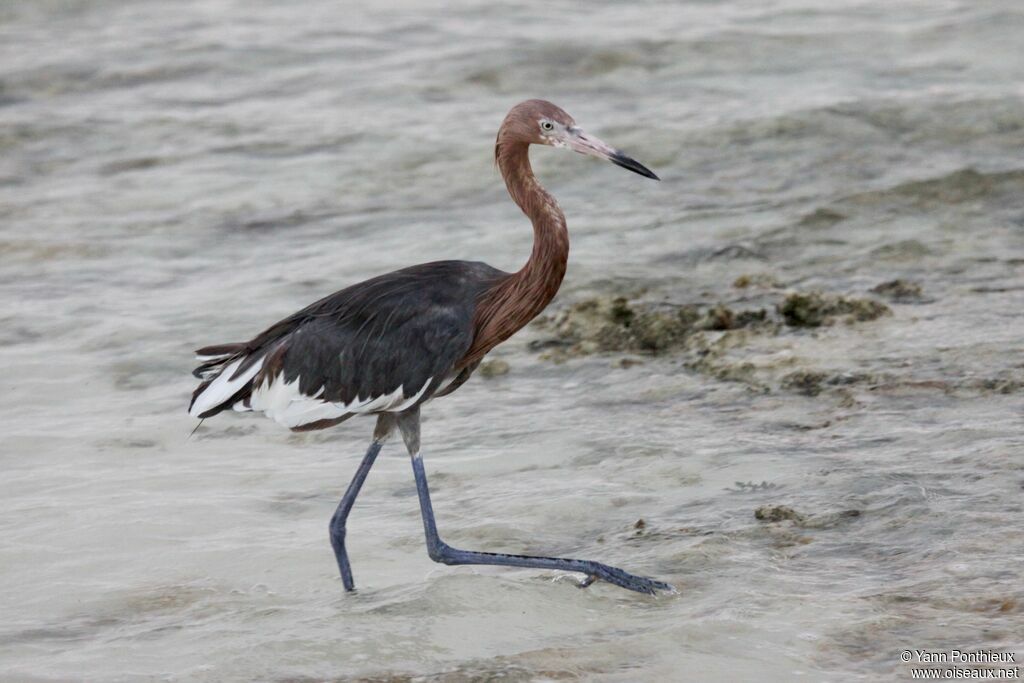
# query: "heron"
386 346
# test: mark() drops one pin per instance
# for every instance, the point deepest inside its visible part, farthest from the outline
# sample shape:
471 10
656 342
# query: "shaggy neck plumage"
517 299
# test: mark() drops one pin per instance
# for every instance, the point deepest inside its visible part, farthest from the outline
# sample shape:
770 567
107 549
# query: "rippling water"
177 174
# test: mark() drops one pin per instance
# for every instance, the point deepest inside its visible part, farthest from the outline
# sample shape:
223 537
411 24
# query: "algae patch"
616 325
718 340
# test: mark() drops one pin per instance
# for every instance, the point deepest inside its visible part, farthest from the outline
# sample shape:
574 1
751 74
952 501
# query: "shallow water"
178 174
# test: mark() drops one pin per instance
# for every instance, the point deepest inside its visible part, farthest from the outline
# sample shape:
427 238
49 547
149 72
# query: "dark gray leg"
385 424
440 551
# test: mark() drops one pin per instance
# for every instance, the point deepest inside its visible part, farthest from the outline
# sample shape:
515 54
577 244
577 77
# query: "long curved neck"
517 299
543 273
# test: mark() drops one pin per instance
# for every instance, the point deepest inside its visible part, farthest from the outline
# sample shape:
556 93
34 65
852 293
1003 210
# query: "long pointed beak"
588 144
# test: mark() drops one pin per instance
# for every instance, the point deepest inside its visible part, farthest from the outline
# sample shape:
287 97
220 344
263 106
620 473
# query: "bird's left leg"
439 551
385 426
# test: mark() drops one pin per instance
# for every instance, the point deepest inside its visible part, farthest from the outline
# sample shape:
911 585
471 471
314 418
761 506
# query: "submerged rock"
1000 385
960 186
782 513
712 340
814 309
904 250
609 325
821 218
659 331
777 513
806 382
828 520
763 280
493 368
899 290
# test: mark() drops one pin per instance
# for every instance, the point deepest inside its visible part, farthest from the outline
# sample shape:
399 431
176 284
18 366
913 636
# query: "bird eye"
547 125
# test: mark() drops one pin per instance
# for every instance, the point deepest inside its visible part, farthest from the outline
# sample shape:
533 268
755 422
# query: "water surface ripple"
177 174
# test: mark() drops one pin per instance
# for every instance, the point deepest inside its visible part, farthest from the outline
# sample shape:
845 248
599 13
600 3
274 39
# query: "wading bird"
388 345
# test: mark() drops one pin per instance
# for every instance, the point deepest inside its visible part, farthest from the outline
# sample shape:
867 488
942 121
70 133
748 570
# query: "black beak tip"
631 164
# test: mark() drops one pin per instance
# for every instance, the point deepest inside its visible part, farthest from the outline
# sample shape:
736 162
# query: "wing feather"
382 345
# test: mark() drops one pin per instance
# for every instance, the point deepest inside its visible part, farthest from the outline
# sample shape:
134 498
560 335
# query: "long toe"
624 579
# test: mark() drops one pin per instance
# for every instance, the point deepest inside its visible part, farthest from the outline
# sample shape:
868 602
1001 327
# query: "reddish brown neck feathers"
517 299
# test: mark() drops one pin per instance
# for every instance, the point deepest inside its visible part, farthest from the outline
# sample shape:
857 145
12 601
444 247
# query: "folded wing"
382 345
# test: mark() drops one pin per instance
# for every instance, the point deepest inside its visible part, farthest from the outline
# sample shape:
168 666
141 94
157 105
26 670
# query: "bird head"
539 122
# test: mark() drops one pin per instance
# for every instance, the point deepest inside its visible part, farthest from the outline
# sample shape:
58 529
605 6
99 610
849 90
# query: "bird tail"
213 358
227 371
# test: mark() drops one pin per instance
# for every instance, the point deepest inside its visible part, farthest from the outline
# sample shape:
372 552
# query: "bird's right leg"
385 425
440 551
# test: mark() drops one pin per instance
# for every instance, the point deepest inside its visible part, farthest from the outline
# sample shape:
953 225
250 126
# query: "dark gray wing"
386 344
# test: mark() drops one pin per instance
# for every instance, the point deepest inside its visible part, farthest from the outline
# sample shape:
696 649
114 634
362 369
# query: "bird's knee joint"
438 552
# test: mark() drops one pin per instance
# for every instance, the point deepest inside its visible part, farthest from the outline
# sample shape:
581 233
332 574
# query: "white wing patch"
223 388
409 402
285 404
204 359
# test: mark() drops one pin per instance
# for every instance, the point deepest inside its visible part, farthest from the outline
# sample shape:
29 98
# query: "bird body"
385 346
391 342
